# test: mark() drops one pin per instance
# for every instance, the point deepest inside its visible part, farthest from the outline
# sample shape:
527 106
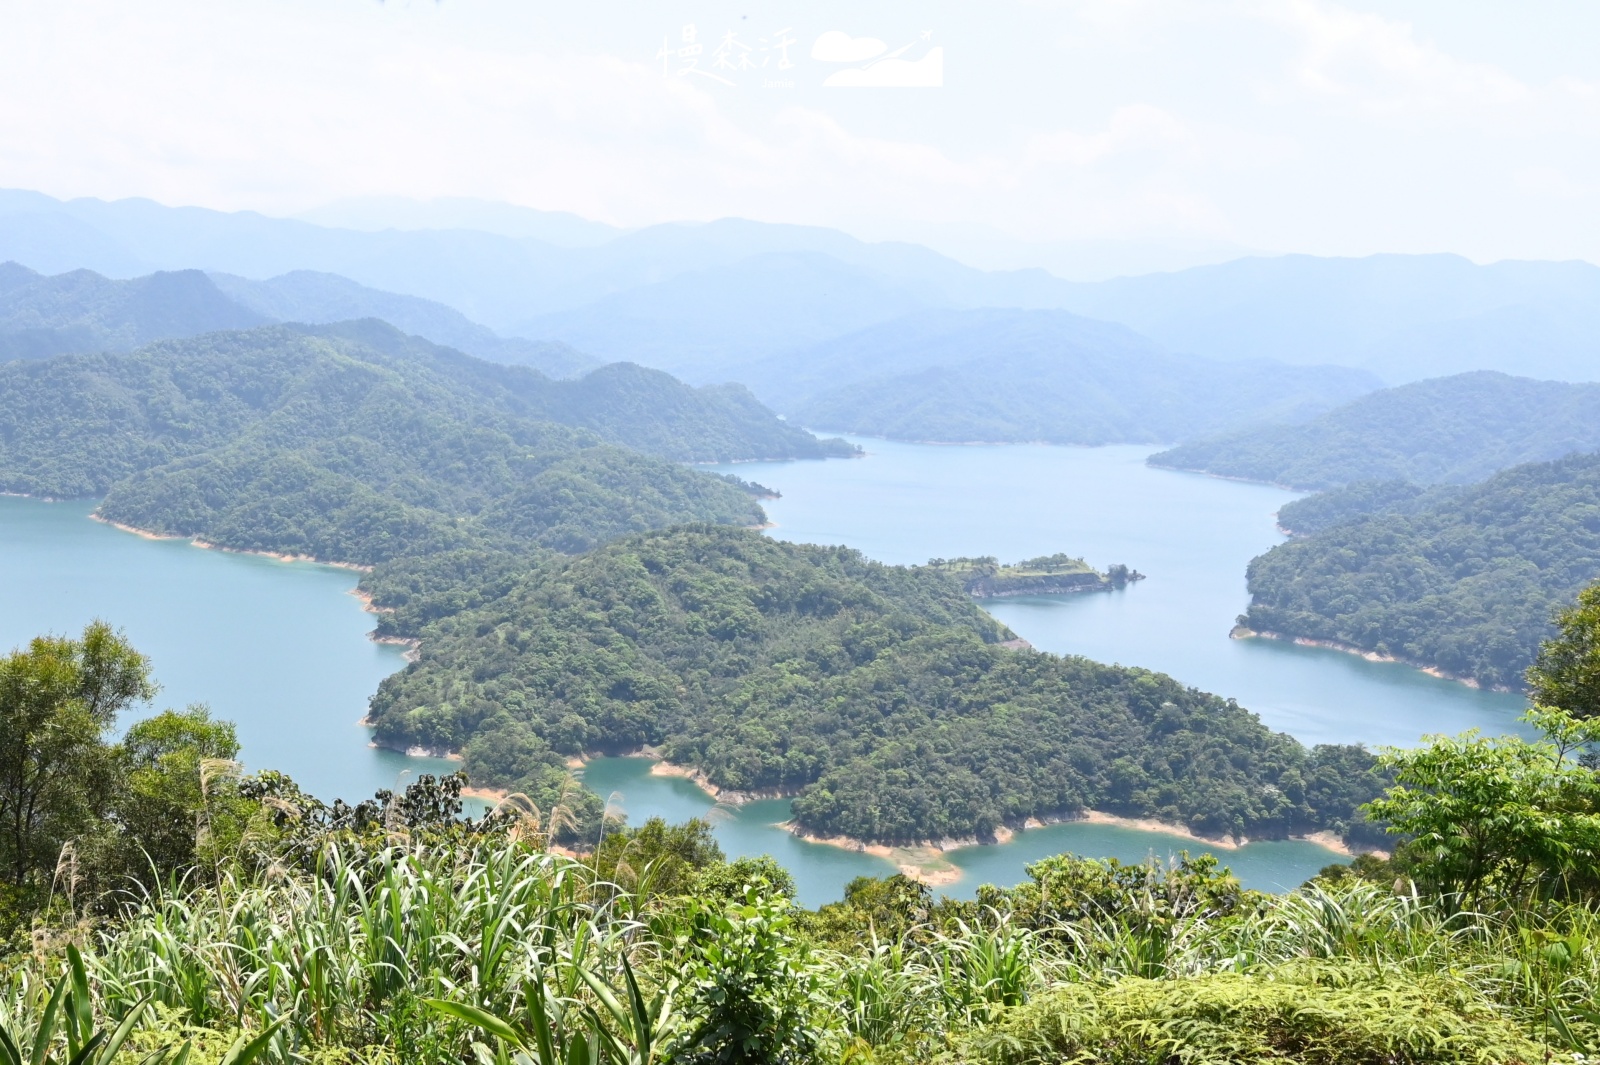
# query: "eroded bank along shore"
926 860
1240 632
194 541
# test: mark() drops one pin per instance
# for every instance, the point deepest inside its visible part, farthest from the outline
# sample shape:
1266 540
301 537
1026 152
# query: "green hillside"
878 695
1449 430
81 311
1465 580
355 443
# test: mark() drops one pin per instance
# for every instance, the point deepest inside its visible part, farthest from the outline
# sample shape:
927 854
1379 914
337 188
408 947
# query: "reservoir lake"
282 649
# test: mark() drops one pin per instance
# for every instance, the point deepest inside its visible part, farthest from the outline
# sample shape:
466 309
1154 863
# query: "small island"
986 578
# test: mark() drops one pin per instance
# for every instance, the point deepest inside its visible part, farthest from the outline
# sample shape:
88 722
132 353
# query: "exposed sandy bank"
196 542
1241 633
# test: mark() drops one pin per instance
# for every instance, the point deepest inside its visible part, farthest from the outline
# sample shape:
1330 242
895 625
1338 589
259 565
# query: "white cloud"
836 46
892 73
1299 125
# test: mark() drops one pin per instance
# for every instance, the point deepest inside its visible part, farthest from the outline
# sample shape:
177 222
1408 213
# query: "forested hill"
1014 375
318 298
1464 579
877 694
1449 430
355 443
82 311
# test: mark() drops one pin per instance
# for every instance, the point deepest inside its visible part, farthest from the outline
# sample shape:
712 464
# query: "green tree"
885 908
730 881
1497 816
176 797
747 987
1567 671
656 858
57 699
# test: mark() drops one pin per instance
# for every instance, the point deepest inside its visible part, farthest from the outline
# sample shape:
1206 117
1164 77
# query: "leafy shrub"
1311 1014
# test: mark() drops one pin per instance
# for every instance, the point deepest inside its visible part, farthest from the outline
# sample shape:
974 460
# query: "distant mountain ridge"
1403 317
1022 376
1448 430
497 280
82 311
710 324
318 298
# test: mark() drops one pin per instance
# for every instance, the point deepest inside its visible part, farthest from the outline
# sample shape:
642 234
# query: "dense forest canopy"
355 443
876 694
1020 376
1449 430
1467 580
81 311
1313 513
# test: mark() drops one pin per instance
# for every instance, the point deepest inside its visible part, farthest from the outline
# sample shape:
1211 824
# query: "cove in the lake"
1190 534
279 648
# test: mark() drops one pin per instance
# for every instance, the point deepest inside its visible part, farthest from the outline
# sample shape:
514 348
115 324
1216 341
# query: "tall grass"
492 951
349 957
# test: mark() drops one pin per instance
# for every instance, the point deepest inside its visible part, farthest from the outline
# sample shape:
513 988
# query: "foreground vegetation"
422 949
262 924
1467 580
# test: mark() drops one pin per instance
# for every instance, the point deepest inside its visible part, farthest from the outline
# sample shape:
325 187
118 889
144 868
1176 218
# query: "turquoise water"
282 648
820 870
279 648
1191 535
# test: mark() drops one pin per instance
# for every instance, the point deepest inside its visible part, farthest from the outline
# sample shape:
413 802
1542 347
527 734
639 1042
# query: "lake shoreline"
1230 477
1240 632
412 645
925 860
195 541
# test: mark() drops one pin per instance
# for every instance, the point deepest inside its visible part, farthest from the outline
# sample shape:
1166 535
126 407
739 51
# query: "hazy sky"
1300 125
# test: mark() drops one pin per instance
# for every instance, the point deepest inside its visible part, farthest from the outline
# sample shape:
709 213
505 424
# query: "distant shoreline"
1230 477
1240 632
925 860
195 541
412 645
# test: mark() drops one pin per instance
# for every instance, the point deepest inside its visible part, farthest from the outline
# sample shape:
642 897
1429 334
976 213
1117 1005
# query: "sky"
1077 128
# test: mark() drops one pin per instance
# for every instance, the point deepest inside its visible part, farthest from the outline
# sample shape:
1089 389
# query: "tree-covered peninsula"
355 443
878 695
1463 579
1448 430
